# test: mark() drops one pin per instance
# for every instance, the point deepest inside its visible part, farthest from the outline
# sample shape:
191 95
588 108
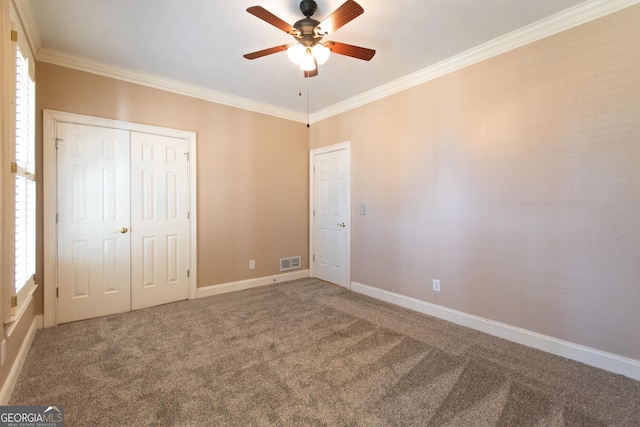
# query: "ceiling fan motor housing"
307 28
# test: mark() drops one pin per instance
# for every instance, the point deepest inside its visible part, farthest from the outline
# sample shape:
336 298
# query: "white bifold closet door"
123 221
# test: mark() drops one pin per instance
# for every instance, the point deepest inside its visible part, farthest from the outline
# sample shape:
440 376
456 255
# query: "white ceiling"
201 42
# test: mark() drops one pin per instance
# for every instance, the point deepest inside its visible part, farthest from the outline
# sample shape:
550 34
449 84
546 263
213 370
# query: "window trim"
13 314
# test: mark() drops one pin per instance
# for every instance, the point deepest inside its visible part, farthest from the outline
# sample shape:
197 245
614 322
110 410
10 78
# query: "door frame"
51 118
312 153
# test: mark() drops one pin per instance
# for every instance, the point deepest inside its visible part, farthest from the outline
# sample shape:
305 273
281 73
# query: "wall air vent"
289 263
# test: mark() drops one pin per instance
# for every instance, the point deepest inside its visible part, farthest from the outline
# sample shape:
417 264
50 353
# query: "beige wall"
516 182
252 169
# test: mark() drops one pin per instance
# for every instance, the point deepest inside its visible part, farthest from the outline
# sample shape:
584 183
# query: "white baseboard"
587 355
224 288
12 378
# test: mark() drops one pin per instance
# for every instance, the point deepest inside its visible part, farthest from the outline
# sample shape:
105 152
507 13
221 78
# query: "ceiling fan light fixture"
321 53
296 53
308 62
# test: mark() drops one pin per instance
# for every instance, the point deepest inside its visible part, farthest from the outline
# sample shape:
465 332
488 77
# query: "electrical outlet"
252 264
4 351
436 285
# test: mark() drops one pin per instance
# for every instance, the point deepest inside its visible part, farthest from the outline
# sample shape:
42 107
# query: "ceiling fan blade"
265 52
350 50
342 15
265 15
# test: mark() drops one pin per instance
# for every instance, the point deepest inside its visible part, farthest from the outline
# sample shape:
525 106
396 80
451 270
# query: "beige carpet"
308 353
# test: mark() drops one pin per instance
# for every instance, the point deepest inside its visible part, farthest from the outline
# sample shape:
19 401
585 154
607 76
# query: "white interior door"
93 222
159 219
331 219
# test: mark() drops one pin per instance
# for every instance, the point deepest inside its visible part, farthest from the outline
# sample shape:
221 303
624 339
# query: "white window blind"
25 179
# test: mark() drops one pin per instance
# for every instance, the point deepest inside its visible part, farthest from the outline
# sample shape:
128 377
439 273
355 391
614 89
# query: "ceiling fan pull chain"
308 97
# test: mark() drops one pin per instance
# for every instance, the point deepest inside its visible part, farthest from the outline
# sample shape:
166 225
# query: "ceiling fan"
309 49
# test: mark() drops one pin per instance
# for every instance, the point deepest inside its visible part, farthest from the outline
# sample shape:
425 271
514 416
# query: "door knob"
123 230
342 225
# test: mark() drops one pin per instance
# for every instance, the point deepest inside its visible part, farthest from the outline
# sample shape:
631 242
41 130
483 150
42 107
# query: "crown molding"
572 17
27 19
75 62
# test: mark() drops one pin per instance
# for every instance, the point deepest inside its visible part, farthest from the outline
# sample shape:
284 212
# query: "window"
21 187
25 183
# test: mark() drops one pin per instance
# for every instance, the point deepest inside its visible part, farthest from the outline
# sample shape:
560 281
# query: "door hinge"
314 257
14 36
14 167
14 301
314 212
57 218
188 214
57 293
188 273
